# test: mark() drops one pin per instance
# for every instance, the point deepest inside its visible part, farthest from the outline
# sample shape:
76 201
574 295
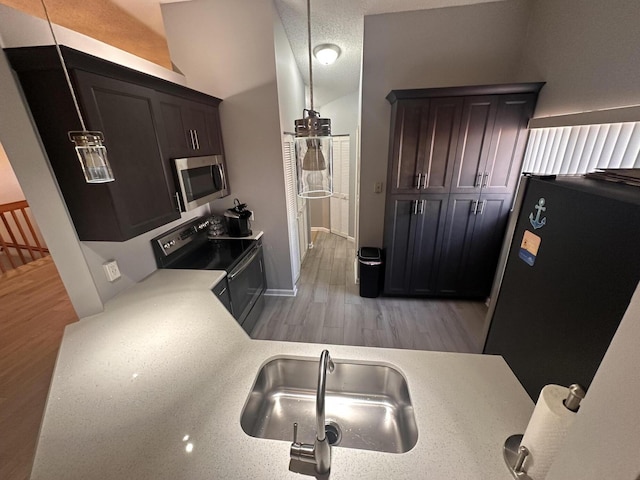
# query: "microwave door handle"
223 175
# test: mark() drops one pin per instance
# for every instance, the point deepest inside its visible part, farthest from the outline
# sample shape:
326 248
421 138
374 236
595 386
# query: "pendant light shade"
93 156
314 145
91 152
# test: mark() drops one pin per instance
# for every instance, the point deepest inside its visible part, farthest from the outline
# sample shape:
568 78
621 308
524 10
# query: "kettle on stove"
238 220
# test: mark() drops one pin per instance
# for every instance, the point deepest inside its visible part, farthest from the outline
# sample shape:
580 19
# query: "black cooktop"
187 247
219 254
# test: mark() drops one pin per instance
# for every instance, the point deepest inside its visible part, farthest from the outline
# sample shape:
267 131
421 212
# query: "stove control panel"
180 236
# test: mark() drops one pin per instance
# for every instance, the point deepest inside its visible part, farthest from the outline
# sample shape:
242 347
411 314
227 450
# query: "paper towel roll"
546 430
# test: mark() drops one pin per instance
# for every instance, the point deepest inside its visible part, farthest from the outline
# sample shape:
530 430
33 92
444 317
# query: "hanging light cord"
310 68
64 67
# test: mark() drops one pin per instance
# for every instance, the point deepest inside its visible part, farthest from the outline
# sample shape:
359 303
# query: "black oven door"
246 285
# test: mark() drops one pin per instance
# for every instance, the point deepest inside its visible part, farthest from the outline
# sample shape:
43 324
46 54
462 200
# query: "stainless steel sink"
369 403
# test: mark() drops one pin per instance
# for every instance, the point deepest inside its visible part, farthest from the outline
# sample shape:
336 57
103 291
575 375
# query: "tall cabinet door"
410 120
471 246
457 237
437 146
399 240
479 265
474 140
429 223
508 142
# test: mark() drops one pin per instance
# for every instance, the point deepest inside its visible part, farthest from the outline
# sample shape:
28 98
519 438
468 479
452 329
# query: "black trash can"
370 262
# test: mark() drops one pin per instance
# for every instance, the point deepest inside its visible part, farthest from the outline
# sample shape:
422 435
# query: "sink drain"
333 432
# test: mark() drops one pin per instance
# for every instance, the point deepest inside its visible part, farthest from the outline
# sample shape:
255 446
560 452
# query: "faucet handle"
295 432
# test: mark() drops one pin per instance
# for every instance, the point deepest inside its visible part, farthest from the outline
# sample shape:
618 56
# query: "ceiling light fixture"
327 53
314 145
91 152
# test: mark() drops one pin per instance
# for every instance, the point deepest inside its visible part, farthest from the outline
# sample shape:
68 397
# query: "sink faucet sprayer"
320 452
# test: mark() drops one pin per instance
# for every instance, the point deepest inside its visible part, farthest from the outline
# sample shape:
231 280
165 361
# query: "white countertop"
166 365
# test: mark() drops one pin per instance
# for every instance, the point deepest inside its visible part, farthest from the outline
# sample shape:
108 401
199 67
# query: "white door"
339 203
296 209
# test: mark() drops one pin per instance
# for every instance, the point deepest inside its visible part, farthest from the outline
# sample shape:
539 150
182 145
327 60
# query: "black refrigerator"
572 265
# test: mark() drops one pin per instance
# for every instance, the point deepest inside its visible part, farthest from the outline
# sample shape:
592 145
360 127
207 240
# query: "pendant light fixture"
91 152
314 145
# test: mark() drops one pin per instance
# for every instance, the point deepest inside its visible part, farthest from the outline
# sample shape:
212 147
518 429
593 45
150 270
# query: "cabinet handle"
474 207
486 179
419 181
195 134
478 180
421 211
177 195
193 143
415 206
482 207
222 291
424 182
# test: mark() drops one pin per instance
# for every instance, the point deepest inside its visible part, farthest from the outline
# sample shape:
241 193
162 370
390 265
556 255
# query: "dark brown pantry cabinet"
454 160
141 135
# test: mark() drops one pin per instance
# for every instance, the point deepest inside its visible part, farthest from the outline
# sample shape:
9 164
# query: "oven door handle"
245 263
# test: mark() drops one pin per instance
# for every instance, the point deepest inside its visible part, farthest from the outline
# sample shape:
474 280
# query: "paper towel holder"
515 454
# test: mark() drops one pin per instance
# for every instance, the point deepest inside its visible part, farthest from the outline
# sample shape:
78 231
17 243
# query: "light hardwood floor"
34 309
328 309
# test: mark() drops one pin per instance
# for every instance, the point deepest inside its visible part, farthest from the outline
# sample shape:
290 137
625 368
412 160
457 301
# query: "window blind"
581 149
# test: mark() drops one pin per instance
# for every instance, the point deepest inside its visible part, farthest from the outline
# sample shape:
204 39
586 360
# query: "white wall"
343 113
477 44
226 48
10 190
31 167
603 442
291 88
588 52
135 256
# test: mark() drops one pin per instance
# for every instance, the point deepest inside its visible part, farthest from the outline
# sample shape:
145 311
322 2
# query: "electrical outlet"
111 270
377 187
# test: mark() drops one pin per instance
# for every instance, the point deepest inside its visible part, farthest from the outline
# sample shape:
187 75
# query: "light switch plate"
111 270
377 187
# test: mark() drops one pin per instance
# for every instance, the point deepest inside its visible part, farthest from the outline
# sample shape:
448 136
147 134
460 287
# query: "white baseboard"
320 229
281 292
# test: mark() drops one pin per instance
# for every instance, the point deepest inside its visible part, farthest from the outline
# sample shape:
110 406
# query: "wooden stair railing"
14 238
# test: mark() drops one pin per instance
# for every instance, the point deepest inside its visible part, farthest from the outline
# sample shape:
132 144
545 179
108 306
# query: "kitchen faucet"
320 452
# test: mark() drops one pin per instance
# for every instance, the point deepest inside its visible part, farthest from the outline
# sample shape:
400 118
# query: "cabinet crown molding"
462 91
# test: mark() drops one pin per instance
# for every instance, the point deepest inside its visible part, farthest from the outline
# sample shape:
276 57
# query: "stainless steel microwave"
201 180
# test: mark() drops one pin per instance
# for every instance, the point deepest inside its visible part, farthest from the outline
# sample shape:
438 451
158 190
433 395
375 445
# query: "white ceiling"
332 21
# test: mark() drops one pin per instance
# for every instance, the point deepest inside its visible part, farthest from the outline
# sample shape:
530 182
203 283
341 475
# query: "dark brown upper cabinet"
126 106
193 128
